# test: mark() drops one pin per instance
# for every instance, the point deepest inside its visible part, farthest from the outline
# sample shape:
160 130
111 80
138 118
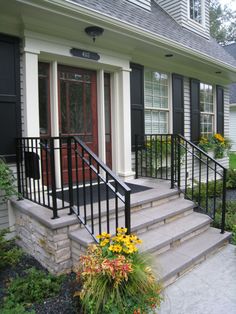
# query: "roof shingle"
157 21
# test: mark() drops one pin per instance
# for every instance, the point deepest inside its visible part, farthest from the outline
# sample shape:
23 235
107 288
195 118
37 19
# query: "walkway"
210 288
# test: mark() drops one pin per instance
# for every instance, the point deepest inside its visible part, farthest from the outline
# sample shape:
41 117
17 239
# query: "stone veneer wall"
46 239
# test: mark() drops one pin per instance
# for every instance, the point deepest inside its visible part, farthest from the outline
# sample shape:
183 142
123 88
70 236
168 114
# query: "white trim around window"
156 101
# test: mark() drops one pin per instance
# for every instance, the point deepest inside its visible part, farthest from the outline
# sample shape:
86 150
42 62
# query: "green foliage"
232 161
230 217
222 22
13 308
7 181
36 286
116 278
234 234
9 254
231 179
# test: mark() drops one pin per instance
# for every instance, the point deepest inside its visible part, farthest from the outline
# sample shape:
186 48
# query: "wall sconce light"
94 31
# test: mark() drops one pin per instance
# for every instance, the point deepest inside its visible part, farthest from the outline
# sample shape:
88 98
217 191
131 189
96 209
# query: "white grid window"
195 10
206 109
156 102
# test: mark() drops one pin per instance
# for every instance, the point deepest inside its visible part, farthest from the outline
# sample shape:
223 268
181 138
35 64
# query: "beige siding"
178 9
145 4
187 108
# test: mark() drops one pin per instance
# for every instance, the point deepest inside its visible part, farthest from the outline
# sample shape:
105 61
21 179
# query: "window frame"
202 12
212 114
155 109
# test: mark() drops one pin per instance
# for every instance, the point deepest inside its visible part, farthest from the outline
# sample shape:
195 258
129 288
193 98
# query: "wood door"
77 112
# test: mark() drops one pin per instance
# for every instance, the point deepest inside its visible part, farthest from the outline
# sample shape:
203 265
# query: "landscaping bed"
24 278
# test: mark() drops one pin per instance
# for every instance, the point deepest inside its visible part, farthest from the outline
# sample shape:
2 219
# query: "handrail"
102 164
63 172
190 169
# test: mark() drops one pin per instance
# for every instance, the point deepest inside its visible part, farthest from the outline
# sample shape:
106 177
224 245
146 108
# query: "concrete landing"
209 288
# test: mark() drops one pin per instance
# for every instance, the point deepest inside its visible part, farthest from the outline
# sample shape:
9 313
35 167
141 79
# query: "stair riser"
155 224
133 209
176 242
154 203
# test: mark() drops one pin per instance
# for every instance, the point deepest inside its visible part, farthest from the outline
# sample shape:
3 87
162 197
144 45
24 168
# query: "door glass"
44 98
78 102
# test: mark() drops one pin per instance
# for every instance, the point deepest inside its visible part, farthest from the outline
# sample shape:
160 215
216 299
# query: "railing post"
136 156
53 179
172 162
70 179
127 212
223 201
179 171
18 160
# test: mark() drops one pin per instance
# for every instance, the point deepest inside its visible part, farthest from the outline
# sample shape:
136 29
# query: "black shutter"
9 95
195 110
137 101
178 104
220 109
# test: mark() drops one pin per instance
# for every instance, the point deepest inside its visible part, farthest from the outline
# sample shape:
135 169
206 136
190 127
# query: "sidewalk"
210 288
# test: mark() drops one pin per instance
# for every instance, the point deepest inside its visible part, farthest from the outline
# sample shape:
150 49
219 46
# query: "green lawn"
232 160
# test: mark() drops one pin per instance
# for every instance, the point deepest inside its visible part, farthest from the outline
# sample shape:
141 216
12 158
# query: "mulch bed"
63 303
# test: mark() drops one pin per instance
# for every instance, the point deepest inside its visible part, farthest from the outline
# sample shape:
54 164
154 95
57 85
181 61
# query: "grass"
232 160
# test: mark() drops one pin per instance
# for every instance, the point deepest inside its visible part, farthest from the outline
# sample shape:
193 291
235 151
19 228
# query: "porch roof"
158 22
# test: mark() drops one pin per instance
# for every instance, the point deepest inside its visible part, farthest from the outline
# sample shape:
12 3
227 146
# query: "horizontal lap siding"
232 134
145 4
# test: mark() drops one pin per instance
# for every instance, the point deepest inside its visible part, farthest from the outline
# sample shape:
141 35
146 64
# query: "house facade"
231 49
153 70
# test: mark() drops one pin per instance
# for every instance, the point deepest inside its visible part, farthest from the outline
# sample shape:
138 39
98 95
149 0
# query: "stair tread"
159 236
178 259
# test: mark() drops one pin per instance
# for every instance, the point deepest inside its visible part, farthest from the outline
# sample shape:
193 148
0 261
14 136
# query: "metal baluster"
107 204
214 199
42 173
38 186
53 179
70 174
192 170
77 177
207 187
136 156
200 180
179 170
127 212
186 168
172 162
99 200
61 170
161 156
116 205
91 192
84 187
223 201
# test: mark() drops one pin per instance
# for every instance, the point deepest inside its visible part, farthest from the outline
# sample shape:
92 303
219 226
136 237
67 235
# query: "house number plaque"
84 54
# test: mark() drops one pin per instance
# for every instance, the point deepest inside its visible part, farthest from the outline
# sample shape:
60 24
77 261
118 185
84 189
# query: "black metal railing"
63 173
196 174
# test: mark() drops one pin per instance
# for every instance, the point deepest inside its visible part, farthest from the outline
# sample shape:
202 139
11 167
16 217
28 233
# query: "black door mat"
78 194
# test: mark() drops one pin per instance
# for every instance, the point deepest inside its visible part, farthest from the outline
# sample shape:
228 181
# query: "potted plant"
216 146
116 278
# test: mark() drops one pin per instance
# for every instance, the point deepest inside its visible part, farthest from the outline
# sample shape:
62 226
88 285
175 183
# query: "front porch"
66 210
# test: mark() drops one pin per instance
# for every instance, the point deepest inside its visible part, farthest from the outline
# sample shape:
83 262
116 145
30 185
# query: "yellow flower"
104 242
115 248
219 137
121 230
104 235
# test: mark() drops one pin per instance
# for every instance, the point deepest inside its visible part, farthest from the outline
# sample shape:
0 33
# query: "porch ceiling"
52 18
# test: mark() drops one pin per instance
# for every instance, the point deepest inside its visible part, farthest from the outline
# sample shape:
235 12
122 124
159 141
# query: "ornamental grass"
116 278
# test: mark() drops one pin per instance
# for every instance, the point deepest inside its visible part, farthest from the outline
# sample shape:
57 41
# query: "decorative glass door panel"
78 109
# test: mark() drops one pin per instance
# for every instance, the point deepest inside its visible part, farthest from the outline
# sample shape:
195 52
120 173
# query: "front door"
77 110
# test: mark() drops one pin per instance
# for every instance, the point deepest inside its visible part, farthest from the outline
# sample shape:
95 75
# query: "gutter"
128 26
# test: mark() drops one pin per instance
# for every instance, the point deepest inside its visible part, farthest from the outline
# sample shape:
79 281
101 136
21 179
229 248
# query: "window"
156 102
206 110
195 10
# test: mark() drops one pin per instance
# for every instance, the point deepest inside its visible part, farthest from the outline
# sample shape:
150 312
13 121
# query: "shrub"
7 181
234 235
231 179
34 287
9 254
230 217
116 278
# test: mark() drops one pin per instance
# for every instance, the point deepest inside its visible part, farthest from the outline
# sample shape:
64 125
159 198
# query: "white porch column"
54 100
124 144
31 99
55 118
101 116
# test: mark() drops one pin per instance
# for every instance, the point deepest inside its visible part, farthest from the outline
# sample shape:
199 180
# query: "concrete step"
143 220
174 233
178 260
